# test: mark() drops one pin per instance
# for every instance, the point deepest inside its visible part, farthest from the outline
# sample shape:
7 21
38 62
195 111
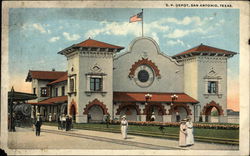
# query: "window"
34 90
63 90
72 88
43 92
95 84
56 91
212 87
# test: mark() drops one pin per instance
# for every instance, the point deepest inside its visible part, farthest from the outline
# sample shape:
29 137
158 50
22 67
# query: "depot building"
100 80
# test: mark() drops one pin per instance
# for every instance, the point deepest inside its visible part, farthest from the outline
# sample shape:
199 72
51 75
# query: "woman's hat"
123 116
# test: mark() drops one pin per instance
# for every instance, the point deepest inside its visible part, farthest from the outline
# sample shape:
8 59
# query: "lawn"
201 134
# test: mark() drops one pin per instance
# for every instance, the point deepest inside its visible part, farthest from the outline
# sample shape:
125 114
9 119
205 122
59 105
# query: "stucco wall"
170 70
191 77
83 63
219 65
59 86
73 62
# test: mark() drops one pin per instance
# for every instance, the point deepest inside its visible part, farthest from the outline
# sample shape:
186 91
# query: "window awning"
156 97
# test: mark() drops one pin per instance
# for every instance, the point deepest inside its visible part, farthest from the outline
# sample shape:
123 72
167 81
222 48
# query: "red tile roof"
96 44
44 75
156 97
53 100
61 79
205 48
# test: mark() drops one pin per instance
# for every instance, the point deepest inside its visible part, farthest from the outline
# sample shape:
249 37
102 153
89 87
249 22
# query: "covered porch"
51 108
166 107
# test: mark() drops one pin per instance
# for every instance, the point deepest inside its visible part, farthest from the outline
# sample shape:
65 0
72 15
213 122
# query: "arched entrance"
157 109
182 110
212 111
95 111
130 110
96 114
73 110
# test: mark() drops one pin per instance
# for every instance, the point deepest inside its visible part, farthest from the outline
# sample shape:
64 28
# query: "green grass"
208 135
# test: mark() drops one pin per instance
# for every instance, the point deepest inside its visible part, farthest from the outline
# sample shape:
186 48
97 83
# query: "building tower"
205 79
90 71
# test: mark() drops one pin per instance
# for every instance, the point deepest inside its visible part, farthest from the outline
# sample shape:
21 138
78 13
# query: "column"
142 116
167 117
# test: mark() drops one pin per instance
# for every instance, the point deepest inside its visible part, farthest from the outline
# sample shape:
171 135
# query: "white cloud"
115 28
70 37
125 28
155 37
177 43
54 39
39 27
179 33
196 20
195 24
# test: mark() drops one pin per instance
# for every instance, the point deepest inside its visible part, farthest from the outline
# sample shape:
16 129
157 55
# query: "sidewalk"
142 140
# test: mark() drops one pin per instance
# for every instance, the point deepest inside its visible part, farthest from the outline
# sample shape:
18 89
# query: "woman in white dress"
190 135
124 127
183 134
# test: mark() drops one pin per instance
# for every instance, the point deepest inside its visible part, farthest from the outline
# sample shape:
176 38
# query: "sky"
37 34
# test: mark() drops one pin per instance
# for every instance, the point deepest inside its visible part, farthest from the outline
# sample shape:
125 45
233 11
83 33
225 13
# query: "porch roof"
53 100
156 97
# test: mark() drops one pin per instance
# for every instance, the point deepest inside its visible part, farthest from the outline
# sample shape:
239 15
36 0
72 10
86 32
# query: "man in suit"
38 125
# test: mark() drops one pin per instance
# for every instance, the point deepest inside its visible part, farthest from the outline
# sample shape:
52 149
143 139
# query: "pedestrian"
50 117
63 122
38 125
59 122
107 120
67 123
152 118
190 135
183 133
70 123
177 116
124 127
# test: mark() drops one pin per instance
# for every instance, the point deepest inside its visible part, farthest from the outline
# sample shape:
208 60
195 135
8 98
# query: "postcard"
125 78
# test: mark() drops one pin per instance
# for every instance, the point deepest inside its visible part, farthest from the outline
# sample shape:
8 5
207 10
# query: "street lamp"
173 97
148 97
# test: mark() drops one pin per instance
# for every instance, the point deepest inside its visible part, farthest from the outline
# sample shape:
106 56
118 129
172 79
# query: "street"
51 138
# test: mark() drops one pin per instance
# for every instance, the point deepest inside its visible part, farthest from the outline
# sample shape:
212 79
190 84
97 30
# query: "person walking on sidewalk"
190 135
183 134
124 127
38 125
59 122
